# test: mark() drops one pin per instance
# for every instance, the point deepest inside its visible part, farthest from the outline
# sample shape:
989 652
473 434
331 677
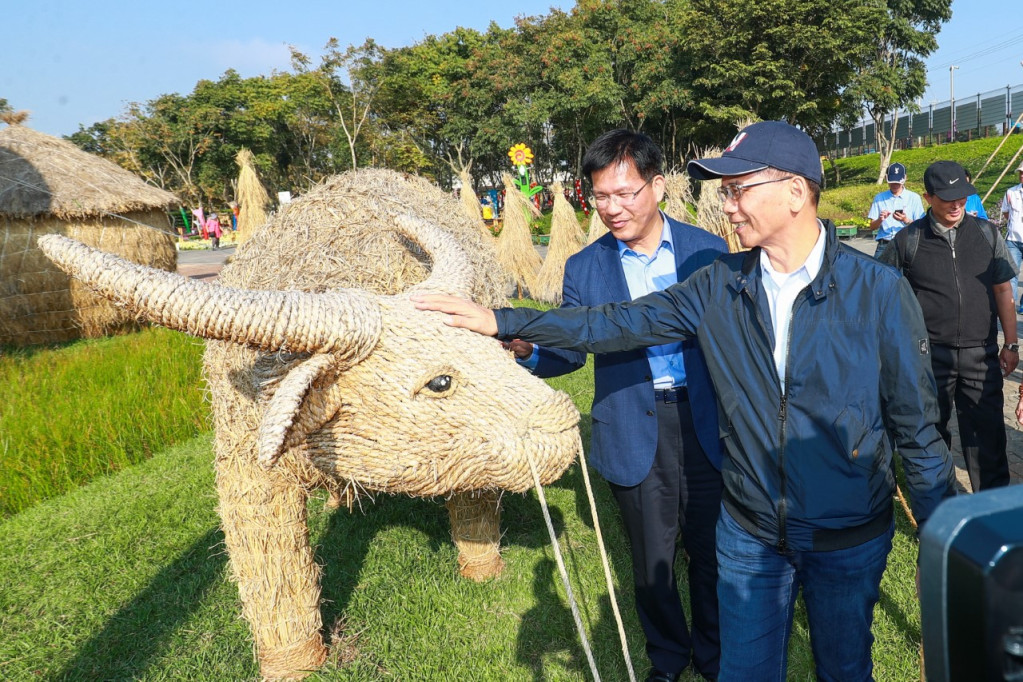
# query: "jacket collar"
749 274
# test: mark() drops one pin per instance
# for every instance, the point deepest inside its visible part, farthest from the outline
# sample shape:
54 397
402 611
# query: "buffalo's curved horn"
344 322
451 271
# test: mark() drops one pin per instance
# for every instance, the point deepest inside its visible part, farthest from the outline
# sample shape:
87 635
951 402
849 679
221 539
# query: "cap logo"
735 142
952 182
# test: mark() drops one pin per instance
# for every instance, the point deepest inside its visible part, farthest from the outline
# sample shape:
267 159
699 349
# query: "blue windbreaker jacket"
807 463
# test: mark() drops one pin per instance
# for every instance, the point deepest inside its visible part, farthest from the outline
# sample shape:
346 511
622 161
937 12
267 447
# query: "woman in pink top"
213 230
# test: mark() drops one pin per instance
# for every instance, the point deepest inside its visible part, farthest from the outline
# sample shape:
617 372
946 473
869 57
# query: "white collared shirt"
782 288
1013 205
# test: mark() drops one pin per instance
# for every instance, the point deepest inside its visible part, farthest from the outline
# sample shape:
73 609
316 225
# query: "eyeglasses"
622 198
734 192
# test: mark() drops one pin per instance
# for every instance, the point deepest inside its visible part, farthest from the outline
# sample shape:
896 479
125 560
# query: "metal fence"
985 114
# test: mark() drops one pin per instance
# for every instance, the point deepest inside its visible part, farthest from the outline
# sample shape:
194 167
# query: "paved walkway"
206 265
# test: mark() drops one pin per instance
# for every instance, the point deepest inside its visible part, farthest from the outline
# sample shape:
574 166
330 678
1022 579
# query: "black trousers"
681 494
972 380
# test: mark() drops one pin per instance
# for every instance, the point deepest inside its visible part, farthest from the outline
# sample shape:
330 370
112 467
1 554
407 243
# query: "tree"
773 59
350 79
895 75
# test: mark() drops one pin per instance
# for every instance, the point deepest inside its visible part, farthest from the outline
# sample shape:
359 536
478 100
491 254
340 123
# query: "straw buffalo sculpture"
346 389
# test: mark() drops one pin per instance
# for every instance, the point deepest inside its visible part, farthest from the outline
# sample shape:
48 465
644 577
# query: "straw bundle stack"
470 204
51 186
515 251
252 196
710 213
597 228
566 239
678 196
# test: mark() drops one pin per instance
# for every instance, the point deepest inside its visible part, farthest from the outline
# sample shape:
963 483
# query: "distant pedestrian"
1012 211
214 231
974 206
959 269
894 208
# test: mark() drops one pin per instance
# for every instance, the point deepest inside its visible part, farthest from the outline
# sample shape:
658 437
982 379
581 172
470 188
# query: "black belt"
675 394
884 241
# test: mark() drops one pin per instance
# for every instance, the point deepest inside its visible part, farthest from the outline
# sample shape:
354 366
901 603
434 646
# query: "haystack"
710 212
678 196
597 228
48 185
253 199
566 239
470 204
515 251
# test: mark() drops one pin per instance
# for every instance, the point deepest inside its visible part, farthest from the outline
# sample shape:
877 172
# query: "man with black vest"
961 272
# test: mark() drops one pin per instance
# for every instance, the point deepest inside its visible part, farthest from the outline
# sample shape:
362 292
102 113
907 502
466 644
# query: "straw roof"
43 175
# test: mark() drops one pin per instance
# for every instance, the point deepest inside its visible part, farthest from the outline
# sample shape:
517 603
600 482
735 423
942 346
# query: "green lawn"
126 578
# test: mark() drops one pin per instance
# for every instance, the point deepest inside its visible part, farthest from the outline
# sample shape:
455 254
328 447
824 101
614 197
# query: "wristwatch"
1014 347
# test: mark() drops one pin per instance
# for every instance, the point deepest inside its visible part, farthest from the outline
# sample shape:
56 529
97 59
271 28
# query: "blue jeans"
757 590
1016 254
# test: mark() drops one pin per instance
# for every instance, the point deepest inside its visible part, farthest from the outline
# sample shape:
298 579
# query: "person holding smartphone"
894 208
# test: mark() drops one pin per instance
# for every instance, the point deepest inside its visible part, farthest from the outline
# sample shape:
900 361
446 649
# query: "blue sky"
72 62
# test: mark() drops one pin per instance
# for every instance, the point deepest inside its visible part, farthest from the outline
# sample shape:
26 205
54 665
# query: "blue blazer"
624 437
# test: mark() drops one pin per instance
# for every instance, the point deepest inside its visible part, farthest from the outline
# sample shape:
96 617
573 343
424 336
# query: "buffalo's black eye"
439 384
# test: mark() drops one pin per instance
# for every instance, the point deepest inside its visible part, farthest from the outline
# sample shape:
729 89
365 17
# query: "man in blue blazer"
655 433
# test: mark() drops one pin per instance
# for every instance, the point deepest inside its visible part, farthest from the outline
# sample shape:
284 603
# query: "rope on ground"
607 569
905 505
561 569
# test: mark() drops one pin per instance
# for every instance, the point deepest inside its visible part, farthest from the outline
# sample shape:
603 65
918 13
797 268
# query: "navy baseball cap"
947 181
767 144
896 173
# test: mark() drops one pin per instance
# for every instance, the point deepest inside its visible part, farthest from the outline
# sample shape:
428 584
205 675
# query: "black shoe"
661 676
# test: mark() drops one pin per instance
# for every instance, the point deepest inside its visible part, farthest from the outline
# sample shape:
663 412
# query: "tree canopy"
682 71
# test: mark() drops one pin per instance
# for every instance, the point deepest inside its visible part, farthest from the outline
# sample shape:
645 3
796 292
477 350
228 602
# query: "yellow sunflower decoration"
520 155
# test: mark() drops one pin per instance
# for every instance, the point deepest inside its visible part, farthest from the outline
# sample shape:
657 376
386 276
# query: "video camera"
971 588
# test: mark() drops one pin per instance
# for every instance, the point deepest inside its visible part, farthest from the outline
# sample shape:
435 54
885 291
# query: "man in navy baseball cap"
768 159
892 210
896 173
767 144
811 347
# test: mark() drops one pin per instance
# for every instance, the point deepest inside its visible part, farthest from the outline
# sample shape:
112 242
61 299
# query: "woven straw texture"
50 186
515 251
566 239
318 386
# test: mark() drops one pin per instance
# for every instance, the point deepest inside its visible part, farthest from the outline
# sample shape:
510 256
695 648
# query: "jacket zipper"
783 503
959 293
782 416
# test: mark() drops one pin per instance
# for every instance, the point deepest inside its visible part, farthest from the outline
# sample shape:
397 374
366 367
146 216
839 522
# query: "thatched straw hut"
253 200
48 185
515 250
566 239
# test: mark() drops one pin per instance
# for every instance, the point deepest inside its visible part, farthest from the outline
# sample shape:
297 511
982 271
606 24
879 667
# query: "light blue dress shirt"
908 201
643 275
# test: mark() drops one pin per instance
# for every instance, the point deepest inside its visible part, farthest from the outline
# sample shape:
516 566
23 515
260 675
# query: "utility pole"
952 96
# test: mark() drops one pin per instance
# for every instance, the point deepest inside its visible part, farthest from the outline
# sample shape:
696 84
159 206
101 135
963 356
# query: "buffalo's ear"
289 417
